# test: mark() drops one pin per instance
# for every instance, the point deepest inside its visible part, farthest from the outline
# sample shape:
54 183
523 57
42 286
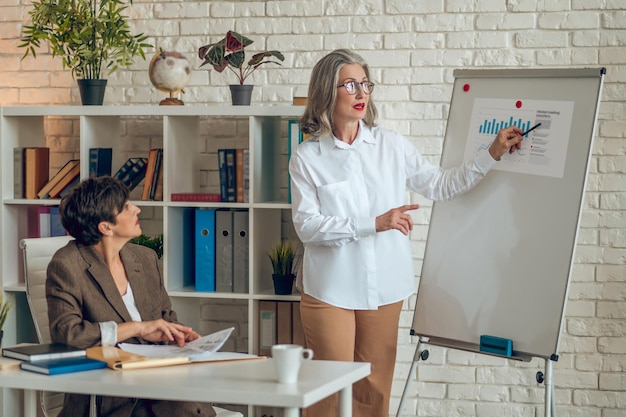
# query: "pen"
531 129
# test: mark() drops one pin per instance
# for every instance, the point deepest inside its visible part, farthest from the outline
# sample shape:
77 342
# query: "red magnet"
518 104
466 87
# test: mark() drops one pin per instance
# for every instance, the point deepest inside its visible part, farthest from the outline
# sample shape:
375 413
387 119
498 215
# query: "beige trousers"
354 335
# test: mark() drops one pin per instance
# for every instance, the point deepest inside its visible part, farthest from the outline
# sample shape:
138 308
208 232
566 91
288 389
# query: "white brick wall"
413 47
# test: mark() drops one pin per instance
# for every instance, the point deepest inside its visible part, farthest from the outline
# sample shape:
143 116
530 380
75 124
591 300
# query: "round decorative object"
170 72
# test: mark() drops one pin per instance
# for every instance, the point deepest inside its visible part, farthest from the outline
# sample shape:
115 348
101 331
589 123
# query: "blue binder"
204 232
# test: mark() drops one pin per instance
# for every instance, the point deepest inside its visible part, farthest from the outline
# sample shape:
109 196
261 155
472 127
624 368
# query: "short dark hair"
93 200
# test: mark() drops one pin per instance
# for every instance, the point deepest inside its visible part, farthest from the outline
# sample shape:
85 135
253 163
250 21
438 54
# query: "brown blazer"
81 293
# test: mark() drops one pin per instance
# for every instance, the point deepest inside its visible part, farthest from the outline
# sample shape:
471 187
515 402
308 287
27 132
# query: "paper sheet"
198 349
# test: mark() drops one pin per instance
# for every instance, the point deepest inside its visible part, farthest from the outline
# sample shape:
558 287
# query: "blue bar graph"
493 126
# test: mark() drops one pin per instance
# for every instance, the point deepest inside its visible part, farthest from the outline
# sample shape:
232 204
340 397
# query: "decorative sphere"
169 71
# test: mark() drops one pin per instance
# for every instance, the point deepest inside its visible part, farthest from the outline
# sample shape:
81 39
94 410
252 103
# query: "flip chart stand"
542 378
419 354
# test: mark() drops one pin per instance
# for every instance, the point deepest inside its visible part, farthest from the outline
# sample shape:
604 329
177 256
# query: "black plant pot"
283 284
92 91
241 94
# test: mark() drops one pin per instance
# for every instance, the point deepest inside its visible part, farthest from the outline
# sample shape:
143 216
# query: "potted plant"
154 243
230 53
283 255
5 308
92 36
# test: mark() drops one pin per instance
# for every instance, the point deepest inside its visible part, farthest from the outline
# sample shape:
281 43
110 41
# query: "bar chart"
493 126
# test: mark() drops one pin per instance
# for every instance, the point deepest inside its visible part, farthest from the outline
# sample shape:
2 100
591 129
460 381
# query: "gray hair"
317 118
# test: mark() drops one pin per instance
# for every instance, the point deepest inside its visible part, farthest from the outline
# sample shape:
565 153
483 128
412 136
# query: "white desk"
240 382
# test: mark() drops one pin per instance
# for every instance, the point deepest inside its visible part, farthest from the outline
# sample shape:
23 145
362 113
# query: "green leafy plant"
5 308
155 243
284 257
90 35
230 53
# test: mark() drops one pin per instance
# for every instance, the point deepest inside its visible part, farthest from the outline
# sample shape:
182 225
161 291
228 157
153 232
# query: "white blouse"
338 190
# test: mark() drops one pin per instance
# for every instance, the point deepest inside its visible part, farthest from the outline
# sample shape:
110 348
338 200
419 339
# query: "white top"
131 305
337 192
108 329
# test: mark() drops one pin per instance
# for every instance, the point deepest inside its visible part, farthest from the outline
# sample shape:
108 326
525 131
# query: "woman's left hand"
508 139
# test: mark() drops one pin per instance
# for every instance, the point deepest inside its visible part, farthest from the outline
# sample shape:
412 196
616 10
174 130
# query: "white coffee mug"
287 360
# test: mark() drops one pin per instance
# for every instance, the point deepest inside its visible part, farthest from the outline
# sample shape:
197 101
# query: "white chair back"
37 254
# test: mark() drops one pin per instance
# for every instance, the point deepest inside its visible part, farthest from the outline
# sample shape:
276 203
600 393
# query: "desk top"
240 382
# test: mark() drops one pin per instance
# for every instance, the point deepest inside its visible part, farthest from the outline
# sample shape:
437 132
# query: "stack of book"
132 172
234 171
45 221
62 181
52 358
153 182
31 168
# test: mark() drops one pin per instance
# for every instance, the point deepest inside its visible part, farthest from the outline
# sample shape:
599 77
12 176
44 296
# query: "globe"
169 72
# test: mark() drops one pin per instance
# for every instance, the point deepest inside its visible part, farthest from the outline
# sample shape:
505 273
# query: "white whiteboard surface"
498 258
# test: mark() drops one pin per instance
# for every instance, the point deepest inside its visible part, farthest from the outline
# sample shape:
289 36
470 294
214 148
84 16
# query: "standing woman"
102 290
348 187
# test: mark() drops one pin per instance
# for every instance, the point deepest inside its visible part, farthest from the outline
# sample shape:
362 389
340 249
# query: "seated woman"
102 290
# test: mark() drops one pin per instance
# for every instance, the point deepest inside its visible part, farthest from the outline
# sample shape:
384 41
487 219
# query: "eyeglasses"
351 86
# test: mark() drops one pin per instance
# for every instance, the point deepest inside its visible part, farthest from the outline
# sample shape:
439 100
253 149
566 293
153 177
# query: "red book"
196 197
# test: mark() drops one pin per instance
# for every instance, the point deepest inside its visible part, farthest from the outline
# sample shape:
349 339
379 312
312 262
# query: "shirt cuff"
108 333
365 226
484 161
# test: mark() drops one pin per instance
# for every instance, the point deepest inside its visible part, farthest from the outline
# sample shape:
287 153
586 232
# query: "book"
204 238
283 322
267 326
36 170
300 101
43 351
18 172
246 175
43 221
239 186
56 227
100 160
158 190
63 365
231 180
294 139
223 173
65 182
137 356
123 172
7 363
137 172
158 169
69 187
61 173
150 174
196 197
241 250
132 172
224 250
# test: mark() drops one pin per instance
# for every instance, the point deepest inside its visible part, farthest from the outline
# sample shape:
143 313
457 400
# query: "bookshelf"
181 132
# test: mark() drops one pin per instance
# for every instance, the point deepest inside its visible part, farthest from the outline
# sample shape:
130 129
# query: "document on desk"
133 356
196 350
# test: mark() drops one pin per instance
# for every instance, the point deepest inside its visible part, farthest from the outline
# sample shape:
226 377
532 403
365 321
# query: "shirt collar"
327 143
